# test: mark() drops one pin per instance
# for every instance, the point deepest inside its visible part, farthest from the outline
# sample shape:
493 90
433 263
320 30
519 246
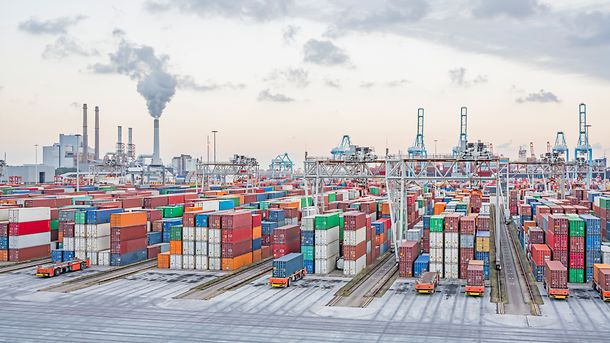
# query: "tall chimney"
156 160
119 135
85 138
131 149
97 133
129 137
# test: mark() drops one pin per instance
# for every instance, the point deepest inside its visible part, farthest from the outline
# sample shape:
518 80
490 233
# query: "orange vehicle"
427 283
601 280
283 282
55 269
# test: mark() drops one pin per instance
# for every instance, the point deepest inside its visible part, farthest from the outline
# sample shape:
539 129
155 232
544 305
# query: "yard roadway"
515 280
31 322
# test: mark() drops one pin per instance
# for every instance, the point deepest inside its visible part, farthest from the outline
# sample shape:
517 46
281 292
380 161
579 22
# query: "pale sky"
284 76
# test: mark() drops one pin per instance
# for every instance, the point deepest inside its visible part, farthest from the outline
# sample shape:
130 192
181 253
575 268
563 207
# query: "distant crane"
342 149
281 166
561 147
583 148
419 149
463 140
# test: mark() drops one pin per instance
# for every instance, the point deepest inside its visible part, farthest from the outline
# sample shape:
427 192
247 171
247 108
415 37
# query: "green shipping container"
437 223
172 211
235 200
175 233
54 224
264 205
577 227
306 201
326 221
374 190
576 275
332 197
604 202
80 217
308 252
341 227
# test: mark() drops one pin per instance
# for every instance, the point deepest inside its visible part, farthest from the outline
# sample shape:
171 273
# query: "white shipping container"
452 240
324 237
354 237
209 205
30 214
188 233
80 230
164 247
327 251
436 255
4 214
291 221
414 235
148 226
26 241
451 255
201 234
436 240
175 261
103 258
201 248
307 223
93 256
214 236
451 271
188 262
354 267
188 248
82 254
68 243
605 254
214 250
325 266
99 230
309 211
80 243
437 267
214 263
98 244
201 262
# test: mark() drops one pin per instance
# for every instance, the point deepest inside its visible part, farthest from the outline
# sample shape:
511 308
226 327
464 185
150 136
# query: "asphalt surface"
141 308
515 280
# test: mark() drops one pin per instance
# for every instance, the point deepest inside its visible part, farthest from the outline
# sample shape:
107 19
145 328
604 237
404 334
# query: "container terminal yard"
300 228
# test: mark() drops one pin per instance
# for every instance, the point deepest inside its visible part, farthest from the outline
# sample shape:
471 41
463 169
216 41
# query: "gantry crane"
342 149
561 147
281 166
583 153
419 149
463 140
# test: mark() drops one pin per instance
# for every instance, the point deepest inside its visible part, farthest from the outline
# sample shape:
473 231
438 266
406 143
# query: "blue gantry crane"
561 147
418 149
343 148
281 166
463 140
583 148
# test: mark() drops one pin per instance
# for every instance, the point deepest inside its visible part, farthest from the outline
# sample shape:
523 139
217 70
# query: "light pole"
36 163
77 163
214 132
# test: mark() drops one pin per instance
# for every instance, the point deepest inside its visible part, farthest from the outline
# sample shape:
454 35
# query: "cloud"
323 52
457 77
53 26
541 97
298 77
258 10
505 146
140 63
119 33
266 95
590 28
397 83
367 85
188 82
75 104
510 8
65 46
332 83
289 33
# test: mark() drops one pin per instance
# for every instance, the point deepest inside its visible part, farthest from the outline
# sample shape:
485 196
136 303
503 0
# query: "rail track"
369 285
228 282
101 277
23 265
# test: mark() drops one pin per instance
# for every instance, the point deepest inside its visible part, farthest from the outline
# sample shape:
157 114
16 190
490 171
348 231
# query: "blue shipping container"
153 238
379 227
268 227
421 265
128 258
261 197
426 220
68 255
101 216
287 265
307 237
226 204
309 266
276 215
201 220
256 243
482 256
169 222
57 256
3 242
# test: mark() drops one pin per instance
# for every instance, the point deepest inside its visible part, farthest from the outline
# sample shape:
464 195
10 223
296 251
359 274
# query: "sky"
275 76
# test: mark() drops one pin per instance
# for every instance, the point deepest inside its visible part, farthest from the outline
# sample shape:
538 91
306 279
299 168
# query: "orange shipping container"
3 255
266 252
163 260
193 209
257 232
385 208
291 204
175 247
439 207
257 255
236 262
128 219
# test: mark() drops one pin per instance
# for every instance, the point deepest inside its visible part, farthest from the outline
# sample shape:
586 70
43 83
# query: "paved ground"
515 282
141 308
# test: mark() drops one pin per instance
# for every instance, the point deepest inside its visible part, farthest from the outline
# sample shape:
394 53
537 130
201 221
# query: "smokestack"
85 138
97 133
156 160
119 135
129 137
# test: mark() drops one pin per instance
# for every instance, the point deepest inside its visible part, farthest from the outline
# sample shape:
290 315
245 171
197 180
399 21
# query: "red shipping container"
215 220
237 220
152 251
281 249
132 202
352 253
174 199
475 275
3 229
155 201
29 228
125 246
483 223
127 233
426 241
540 253
468 225
561 256
577 244
236 235
287 234
558 224
157 226
230 250
54 213
536 235
556 275
67 229
452 222
30 253
354 220
577 260
188 218
256 220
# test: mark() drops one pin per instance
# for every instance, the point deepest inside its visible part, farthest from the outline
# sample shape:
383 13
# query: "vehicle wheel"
83 265
288 283
56 272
